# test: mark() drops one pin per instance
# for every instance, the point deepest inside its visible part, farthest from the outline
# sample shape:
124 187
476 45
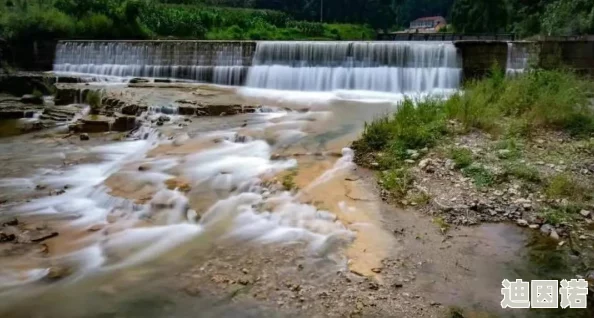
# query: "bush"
462 157
412 126
93 99
397 181
565 186
480 175
538 99
95 26
522 172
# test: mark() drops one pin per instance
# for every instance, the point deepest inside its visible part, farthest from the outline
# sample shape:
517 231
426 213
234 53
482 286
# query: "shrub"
480 175
522 172
412 126
397 181
93 99
462 157
564 186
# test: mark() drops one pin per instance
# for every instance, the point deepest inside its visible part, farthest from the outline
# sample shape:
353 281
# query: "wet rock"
144 167
96 227
66 96
4 237
58 272
95 124
15 114
187 110
159 123
124 123
522 223
163 118
131 110
84 136
43 235
11 222
32 99
138 80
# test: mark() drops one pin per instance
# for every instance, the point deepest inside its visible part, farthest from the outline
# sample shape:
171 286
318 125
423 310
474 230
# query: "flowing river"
167 205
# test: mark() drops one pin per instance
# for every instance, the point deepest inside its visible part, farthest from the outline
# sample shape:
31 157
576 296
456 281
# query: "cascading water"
517 59
374 66
212 62
308 66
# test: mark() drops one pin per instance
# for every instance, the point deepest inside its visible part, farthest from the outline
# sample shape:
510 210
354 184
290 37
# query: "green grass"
419 198
462 157
560 215
480 175
397 181
553 100
288 180
522 171
442 224
93 99
564 186
539 99
415 125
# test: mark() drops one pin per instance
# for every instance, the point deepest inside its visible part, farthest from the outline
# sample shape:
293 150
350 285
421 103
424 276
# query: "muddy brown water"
462 269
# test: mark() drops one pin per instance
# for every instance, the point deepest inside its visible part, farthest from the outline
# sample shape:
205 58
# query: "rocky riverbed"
324 243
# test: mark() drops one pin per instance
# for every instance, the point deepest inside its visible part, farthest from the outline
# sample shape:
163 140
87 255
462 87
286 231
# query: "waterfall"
306 66
213 62
517 59
375 66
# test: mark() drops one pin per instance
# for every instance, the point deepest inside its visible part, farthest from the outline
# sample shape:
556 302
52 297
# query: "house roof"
429 18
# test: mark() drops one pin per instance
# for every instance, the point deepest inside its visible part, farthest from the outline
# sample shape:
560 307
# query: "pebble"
554 235
84 136
534 226
585 213
583 237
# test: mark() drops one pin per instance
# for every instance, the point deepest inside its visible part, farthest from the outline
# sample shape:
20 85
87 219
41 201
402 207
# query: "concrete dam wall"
392 66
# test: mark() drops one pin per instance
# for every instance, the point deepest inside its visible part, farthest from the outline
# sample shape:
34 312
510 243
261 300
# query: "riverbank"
506 150
257 213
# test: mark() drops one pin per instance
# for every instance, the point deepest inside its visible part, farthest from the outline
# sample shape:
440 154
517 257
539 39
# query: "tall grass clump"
414 125
539 99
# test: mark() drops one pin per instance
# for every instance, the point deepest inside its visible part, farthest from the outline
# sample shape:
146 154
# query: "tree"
479 16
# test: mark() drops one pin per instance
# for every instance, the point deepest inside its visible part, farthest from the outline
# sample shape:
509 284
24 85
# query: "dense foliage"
525 17
140 19
276 19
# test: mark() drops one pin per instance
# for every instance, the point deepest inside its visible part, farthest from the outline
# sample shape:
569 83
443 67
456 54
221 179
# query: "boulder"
124 123
186 110
95 124
32 99
137 80
66 96
131 109
84 136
